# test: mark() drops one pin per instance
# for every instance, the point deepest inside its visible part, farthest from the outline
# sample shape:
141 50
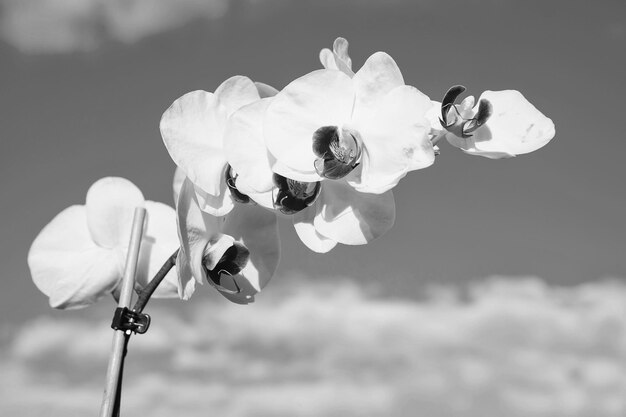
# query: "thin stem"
146 293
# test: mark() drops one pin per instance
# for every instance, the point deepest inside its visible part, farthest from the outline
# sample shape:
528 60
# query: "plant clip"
125 319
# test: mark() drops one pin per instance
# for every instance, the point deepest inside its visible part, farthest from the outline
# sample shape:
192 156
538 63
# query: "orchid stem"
146 293
140 304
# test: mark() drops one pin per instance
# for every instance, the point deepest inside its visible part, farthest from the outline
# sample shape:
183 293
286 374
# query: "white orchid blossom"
370 129
237 253
503 124
324 213
193 132
247 154
79 256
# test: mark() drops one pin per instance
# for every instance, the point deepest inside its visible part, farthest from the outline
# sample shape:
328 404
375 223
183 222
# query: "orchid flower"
339 143
247 155
324 213
369 129
193 132
237 253
79 256
503 124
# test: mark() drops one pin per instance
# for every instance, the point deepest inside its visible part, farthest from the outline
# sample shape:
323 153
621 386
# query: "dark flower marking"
230 264
338 151
231 177
293 196
460 126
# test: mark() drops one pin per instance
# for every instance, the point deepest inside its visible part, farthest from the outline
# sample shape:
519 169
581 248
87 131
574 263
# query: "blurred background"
500 291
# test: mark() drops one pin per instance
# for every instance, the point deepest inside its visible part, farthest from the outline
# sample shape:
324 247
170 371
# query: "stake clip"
125 319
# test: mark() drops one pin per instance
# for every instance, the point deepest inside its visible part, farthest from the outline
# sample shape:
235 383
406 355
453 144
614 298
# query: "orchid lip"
338 151
485 110
230 264
461 126
448 101
294 196
231 178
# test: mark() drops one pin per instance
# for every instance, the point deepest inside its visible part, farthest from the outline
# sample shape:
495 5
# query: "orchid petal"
303 223
234 93
68 266
327 59
340 49
215 206
353 218
186 281
320 98
294 174
264 199
110 205
433 115
177 182
195 229
515 127
376 78
265 90
396 140
256 228
160 240
192 130
338 58
245 148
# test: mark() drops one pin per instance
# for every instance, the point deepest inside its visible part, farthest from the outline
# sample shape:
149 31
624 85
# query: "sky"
471 305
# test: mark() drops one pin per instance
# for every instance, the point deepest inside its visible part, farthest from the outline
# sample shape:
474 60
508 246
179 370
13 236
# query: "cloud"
64 26
502 347
68 26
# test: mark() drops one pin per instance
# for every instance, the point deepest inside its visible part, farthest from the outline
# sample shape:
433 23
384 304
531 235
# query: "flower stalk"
148 290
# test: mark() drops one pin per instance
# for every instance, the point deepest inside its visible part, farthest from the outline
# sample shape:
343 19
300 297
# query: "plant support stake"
119 336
